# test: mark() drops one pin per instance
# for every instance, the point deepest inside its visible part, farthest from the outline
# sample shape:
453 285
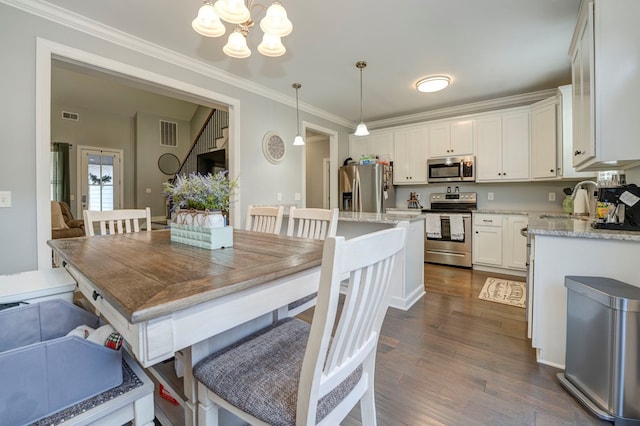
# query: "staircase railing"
206 141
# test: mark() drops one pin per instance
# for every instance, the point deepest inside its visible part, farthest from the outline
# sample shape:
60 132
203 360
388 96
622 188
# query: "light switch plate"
297 196
490 196
552 196
5 199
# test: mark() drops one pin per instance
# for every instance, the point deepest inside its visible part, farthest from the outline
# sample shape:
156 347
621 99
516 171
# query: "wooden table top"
144 275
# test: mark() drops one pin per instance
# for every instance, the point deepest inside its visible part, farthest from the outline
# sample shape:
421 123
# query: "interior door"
100 179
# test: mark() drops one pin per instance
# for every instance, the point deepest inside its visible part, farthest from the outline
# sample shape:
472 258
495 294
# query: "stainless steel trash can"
602 367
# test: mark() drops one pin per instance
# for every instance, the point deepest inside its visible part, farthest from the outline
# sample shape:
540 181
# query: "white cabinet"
515 244
565 152
376 143
545 139
604 50
487 239
497 241
502 146
410 156
450 138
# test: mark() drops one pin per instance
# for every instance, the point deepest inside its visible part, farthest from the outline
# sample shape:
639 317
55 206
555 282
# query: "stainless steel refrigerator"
366 188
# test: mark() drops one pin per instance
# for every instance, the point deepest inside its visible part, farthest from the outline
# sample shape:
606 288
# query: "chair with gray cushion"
313 223
293 373
121 221
264 219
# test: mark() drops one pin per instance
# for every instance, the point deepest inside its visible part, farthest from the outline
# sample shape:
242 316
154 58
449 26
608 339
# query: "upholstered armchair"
63 225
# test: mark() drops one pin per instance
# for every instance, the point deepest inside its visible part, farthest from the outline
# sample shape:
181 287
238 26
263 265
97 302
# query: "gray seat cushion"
260 374
302 301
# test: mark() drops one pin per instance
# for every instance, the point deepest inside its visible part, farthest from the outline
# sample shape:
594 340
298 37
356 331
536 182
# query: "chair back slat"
116 221
318 224
367 263
264 219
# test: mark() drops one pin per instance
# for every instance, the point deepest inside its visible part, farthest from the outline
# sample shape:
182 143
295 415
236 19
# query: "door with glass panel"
100 179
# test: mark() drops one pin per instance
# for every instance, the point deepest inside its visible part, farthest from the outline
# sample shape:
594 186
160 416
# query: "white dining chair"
264 219
313 223
116 221
293 373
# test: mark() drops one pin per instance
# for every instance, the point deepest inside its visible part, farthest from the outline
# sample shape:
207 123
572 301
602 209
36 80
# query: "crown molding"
97 29
472 108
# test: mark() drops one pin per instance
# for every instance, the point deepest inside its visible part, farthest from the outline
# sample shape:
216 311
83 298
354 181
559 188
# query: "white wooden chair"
116 221
293 373
318 224
264 219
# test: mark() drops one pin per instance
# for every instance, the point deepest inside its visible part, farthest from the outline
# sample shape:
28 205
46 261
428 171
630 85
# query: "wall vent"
66 115
168 133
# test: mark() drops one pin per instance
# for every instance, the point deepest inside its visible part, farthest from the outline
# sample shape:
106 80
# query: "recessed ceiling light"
433 84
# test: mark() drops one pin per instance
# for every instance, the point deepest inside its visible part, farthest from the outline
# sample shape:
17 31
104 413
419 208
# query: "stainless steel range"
448 228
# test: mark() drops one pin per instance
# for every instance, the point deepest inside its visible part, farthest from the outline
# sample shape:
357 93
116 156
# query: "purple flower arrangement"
201 192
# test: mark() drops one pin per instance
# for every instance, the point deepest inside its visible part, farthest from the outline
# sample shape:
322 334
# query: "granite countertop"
562 225
390 218
557 223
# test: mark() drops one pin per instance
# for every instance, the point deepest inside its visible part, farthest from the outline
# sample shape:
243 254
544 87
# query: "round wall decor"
273 147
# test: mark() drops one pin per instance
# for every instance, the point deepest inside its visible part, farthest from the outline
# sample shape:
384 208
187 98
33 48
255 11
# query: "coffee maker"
618 207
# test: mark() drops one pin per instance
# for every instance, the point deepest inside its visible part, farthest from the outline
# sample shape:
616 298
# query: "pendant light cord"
361 65
297 86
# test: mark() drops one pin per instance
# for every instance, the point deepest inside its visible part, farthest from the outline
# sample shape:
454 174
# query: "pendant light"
361 129
298 140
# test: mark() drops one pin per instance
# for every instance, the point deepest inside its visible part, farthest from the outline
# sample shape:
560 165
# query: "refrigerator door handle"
357 202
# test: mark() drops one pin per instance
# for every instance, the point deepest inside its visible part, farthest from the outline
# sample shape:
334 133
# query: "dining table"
172 301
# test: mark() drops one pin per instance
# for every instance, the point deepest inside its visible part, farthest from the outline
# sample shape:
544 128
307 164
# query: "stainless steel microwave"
451 169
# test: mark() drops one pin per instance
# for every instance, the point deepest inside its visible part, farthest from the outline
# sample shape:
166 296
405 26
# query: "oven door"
446 250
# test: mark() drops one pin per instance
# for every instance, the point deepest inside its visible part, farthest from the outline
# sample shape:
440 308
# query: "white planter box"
209 238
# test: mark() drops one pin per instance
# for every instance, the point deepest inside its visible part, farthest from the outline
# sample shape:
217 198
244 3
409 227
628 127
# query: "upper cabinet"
545 139
450 138
410 156
604 51
378 143
552 138
502 146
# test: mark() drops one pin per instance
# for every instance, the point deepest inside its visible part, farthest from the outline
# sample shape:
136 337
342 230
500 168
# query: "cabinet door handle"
551 170
487 220
578 153
499 174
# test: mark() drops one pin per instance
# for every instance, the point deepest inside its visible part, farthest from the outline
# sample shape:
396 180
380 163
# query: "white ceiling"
490 48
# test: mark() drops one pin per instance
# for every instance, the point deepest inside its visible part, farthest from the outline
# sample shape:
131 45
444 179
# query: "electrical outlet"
490 196
552 196
297 196
5 198
148 190
279 196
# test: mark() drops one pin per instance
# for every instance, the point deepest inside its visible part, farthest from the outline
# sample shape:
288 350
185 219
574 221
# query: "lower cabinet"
497 241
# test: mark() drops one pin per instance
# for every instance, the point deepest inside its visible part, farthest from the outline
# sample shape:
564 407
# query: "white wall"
259 180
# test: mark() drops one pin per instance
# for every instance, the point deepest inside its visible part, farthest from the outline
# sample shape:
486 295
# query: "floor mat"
504 291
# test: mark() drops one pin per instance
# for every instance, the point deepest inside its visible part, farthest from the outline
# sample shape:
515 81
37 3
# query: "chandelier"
274 25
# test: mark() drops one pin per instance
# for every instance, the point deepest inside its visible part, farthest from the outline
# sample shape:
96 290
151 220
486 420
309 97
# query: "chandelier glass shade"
361 129
274 25
298 140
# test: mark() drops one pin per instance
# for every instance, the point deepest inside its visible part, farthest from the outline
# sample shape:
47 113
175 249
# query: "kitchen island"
409 286
563 246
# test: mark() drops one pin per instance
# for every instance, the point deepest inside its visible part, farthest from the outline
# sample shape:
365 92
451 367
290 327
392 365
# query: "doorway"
99 179
48 51
320 159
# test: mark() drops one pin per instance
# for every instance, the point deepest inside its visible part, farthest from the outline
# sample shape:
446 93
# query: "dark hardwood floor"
453 359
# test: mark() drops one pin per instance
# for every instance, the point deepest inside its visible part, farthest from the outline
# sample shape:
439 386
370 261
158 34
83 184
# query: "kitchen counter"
566 226
408 288
391 218
563 246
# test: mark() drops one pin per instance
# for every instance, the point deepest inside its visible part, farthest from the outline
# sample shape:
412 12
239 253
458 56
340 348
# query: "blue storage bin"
43 370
